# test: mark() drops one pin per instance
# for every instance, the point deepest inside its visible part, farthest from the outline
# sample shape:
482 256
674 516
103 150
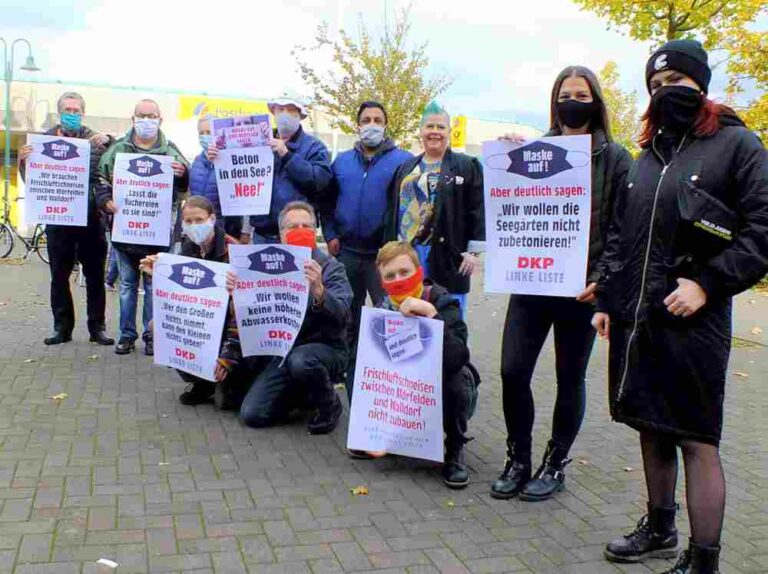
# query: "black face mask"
676 107
575 114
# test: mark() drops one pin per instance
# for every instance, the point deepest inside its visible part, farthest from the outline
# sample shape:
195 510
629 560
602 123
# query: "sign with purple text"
142 189
397 401
57 181
538 201
244 166
189 301
270 297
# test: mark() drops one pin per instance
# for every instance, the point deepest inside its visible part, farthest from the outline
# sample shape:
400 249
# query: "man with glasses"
67 243
144 137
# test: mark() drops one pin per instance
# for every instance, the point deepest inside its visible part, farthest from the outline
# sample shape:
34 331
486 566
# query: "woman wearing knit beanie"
691 231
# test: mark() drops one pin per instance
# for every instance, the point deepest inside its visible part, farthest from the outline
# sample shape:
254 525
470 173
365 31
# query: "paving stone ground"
120 470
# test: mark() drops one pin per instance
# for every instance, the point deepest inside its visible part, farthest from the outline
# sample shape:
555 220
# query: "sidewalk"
120 470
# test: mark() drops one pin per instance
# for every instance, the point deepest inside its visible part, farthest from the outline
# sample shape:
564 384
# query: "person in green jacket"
146 137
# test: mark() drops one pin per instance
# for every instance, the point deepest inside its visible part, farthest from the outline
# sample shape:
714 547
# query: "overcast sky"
503 55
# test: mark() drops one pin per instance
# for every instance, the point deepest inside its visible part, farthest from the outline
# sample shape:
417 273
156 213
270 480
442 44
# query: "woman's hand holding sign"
212 153
231 281
688 298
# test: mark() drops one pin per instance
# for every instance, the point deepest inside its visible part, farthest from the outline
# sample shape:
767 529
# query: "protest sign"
57 181
538 200
270 297
190 300
397 401
142 189
244 166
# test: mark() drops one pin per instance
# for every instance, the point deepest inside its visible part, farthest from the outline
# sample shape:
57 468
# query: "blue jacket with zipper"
358 198
202 181
304 174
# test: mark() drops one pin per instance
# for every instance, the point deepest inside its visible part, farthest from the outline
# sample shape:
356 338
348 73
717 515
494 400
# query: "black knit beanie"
686 56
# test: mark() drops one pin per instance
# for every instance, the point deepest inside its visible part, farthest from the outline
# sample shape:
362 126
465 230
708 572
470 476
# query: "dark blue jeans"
529 320
305 378
130 276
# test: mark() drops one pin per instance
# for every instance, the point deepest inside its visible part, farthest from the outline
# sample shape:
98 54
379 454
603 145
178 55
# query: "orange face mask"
301 237
400 289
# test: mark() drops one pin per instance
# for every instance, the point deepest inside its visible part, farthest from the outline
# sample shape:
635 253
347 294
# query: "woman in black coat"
577 108
691 231
436 204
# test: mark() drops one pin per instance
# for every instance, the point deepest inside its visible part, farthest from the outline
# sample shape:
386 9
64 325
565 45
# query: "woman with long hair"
690 232
577 108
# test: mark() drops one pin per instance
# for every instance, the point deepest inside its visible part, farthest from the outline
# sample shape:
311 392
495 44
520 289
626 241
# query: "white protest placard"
397 401
270 297
244 166
57 181
538 200
142 189
189 302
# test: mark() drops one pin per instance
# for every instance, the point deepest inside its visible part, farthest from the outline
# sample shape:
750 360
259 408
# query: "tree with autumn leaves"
722 25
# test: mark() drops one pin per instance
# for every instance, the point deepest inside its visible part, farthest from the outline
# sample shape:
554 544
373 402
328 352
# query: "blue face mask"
205 141
71 122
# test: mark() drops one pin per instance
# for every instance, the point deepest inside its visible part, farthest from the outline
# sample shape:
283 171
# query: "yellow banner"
459 132
195 106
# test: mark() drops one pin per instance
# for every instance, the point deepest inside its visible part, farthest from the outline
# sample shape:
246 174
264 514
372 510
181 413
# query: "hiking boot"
58 338
455 471
100 338
697 560
125 346
326 418
197 394
549 478
515 475
149 345
654 537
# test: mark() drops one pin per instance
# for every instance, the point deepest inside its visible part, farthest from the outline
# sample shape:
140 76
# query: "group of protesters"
408 231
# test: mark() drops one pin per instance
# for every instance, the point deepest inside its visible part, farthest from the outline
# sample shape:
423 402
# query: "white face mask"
146 128
198 232
372 135
287 124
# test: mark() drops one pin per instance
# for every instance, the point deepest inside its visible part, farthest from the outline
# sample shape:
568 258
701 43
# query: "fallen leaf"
756 331
450 504
93 357
583 461
359 491
107 562
59 397
340 386
628 469
29 360
741 374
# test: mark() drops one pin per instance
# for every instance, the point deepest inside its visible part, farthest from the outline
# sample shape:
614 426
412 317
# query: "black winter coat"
459 216
700 214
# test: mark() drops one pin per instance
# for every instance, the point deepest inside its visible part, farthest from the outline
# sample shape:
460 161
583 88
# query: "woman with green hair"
436 205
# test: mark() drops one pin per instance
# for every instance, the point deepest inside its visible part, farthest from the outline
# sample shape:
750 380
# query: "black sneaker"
654 537
197 394
100 338
125 346
149 346
455 472
326 418
58 338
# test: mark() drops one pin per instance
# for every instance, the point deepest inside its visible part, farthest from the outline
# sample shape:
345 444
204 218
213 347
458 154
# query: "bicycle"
38 243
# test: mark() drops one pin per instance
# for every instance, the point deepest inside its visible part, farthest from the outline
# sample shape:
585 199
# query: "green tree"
749 63
383 69
622 108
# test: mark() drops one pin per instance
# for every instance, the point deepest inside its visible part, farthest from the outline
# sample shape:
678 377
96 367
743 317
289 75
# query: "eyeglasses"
147 116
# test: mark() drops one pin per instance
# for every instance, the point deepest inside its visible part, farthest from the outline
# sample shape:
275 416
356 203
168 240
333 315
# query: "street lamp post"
29 66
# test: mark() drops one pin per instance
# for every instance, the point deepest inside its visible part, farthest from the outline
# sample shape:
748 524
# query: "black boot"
58 338
697 560
100 338
515 475
549 478
327 417
455 471
654 537
198 393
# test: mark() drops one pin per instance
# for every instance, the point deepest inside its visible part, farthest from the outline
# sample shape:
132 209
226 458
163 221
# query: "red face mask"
400 289
301 237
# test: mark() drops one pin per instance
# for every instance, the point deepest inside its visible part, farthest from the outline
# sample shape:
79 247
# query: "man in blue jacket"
302 169
353 215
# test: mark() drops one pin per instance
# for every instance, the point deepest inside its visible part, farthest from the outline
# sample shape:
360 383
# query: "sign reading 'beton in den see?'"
57 181
142 189
190 300
538 201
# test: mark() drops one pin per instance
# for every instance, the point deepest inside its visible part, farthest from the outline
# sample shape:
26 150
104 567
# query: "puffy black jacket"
706 210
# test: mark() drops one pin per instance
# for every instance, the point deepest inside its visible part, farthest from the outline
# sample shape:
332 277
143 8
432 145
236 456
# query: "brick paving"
120 470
